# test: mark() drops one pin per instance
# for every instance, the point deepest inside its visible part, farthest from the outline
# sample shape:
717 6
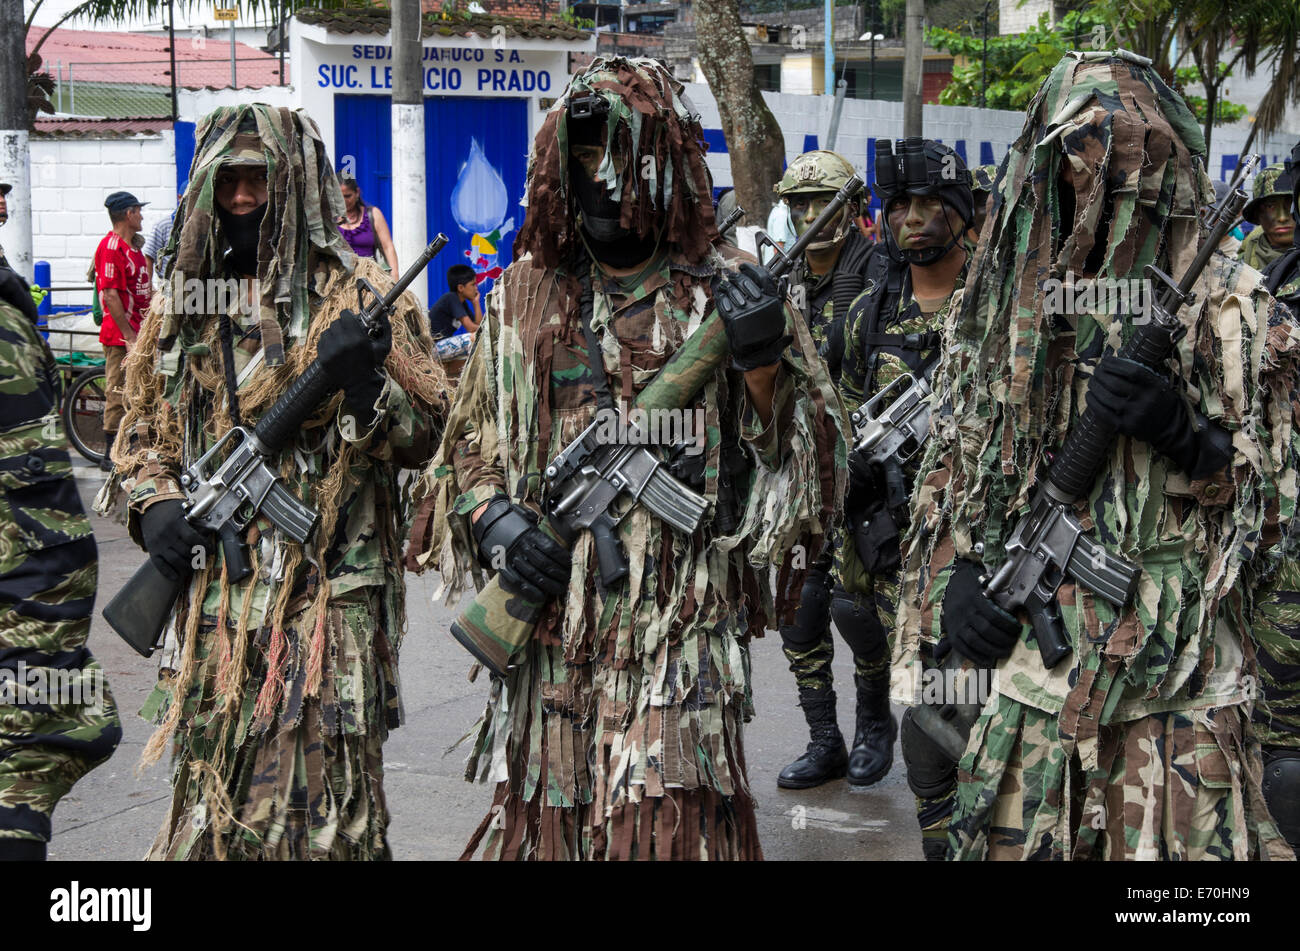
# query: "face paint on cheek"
808 212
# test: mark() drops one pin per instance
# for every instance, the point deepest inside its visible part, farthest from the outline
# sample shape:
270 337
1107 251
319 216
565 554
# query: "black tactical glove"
354 361
753 314
170 540
535 566
979 630
1145 405
14 290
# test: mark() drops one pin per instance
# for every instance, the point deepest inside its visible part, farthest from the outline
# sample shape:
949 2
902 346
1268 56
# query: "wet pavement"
114 813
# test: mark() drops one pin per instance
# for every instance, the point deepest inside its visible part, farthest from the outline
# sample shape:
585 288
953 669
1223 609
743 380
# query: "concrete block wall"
71 177
979 134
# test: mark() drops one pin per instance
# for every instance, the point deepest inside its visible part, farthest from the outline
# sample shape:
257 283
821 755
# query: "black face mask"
623 251
600 213
242 233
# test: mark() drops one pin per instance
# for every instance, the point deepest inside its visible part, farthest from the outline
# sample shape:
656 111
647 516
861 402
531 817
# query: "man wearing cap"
1269 209
122 279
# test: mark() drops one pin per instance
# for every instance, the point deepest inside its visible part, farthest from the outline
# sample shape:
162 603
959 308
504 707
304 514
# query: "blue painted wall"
363 146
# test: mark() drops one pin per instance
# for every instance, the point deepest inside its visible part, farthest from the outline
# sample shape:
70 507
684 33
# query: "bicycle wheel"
83 413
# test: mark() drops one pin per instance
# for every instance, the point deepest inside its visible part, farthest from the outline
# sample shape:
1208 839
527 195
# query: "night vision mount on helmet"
916 166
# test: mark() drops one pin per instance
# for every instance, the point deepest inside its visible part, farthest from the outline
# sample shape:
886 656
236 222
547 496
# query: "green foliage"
1017 63
1224 111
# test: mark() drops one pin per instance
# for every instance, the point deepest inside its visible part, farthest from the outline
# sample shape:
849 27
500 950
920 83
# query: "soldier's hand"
171 541
352 360
530 562
1137 401
979 629
753 314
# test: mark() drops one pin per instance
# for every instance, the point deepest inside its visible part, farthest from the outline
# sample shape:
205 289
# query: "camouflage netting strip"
298 236
651 124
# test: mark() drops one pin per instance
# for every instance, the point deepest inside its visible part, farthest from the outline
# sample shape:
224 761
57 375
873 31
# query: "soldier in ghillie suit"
48 568
1269 210
279 690
1136 745
1277 625
618 734
828 278
893 329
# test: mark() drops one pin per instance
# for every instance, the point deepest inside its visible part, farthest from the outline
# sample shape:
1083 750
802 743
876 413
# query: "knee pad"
856 619
931 773
813 617
1282 792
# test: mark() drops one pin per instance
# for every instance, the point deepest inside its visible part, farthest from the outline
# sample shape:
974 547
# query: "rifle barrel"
414 271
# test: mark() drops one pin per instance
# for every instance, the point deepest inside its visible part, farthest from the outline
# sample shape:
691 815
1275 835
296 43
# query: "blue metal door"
476 162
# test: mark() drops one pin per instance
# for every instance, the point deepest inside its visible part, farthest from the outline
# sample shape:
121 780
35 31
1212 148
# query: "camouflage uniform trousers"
304 784
66 723
1176 785
1277 640
877 594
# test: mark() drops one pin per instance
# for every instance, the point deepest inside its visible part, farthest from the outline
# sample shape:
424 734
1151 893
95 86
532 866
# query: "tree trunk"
754 139
15 163
913 67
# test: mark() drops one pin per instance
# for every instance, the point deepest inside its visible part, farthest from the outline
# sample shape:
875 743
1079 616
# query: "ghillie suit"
1137 746
618 735
278 690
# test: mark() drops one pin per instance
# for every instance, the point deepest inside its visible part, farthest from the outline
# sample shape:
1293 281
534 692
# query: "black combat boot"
826 758
106 464
874 735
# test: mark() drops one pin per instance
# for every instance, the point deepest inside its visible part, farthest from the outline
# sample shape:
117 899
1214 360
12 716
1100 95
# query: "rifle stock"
139 611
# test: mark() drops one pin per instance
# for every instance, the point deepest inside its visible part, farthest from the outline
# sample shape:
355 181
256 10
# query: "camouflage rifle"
225 498
497 624
1049 542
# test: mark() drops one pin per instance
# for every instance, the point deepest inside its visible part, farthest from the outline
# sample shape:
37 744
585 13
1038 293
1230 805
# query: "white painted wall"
864 120
327 64
71 177
194 104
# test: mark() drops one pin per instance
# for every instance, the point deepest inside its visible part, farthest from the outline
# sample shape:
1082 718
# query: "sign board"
226 13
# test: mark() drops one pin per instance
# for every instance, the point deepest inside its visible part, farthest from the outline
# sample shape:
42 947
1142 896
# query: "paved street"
114 813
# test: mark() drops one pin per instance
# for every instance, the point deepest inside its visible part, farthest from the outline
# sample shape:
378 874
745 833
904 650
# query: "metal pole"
233 84
410 218
72 92
871 94
284 34
171 51
828 79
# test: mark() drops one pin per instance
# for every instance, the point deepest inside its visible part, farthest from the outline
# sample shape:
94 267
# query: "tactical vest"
889 282
845 284
1281 272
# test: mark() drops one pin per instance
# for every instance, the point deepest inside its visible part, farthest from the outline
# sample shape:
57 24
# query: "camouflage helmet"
818 171
982 179
1271 182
